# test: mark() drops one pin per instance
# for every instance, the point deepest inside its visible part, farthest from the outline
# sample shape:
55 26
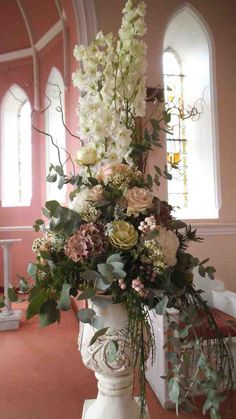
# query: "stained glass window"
176 142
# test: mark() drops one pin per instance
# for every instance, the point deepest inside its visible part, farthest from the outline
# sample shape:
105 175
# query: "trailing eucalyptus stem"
204 349
142 341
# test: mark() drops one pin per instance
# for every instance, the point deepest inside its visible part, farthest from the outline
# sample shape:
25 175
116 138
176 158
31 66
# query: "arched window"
16 149
188 81
54 101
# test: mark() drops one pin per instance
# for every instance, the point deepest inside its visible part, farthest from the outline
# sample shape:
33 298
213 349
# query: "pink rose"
109 169
139 199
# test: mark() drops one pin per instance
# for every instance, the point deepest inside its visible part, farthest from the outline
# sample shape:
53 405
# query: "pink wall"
220 18
21 72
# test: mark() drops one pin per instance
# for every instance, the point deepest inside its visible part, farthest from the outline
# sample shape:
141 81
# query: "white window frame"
53 126
12 103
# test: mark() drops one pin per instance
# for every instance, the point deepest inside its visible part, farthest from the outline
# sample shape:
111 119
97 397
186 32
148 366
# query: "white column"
9 319
115 376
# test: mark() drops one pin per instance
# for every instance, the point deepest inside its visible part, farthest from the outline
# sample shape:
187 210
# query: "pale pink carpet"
42 376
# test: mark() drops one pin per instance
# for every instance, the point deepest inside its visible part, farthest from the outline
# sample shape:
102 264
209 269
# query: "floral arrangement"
117 237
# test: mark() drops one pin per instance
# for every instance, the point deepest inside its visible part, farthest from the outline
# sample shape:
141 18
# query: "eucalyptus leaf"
85 315
116 257
86 294
32 269
89 275
12 295
99 333
174 390
117 265
65 298
61 182
105 269
39 221
101 284
149 180
201 271
52 207
97 322
35 303
59 170
48 313
160 308
52 178
119 274
69 226
204 261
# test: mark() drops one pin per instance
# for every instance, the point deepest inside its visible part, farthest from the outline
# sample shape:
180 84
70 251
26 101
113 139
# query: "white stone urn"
115 379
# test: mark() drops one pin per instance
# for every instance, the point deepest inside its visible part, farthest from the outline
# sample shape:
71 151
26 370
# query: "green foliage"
85 315
32 269
37 298
65 298
2 303
174 390
37 224
86 294
98 334
97 322
160 307
49 313
12 295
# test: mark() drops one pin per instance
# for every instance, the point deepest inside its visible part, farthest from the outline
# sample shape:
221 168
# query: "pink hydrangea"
88 241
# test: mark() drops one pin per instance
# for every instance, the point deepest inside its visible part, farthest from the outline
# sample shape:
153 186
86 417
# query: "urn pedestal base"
114 400
131 411
114 372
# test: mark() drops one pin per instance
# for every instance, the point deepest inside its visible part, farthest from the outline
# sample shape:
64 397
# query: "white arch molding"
203 25
86 20
55 93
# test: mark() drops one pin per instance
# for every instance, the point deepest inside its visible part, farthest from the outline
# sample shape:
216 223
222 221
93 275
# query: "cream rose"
169 243
87 155
139 199
123 236
95 194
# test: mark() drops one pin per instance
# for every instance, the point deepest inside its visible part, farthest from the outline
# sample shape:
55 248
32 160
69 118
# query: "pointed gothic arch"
187 34
16 173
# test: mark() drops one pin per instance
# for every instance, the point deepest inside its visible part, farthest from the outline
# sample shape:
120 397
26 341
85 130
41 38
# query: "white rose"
87 155
79 204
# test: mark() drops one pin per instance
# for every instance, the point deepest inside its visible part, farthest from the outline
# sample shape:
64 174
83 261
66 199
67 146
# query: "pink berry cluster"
138 286
149 224
122 284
